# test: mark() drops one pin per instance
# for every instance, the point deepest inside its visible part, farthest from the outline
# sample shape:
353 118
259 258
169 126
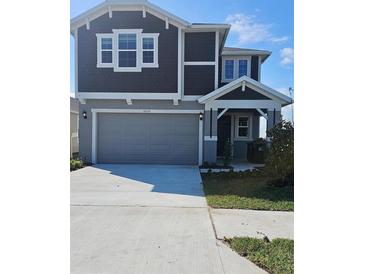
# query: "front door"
224 133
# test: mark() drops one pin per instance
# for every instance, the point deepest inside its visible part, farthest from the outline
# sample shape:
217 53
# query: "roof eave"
102 8
284 100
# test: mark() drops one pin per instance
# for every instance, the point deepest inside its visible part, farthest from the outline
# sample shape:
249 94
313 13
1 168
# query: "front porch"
232 114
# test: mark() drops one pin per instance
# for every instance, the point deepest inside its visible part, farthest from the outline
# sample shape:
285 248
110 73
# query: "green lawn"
275 257
246 191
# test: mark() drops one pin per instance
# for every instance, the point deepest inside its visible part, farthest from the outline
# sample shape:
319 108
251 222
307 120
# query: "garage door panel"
148 138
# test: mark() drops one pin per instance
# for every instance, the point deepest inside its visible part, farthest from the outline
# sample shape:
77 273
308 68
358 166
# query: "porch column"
273 117
210 136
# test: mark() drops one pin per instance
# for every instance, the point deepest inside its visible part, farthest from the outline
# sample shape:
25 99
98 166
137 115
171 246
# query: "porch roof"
251 83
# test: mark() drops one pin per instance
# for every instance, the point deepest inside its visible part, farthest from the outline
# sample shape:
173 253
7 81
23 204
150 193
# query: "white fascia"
134 5
128 95
249 82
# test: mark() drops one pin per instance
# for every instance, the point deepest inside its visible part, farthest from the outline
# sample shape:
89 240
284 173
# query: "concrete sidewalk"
253 223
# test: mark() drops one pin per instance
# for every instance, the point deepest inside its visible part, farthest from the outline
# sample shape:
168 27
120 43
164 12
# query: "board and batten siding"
160 80
199 47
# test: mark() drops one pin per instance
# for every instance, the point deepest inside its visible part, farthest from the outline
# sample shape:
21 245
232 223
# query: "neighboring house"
155 88
74 126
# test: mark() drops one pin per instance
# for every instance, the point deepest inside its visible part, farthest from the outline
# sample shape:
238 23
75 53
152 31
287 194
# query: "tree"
280 159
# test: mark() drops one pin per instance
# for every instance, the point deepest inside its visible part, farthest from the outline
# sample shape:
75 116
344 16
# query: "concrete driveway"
145 219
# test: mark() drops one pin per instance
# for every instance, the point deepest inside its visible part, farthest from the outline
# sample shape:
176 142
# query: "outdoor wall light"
200 116
84 114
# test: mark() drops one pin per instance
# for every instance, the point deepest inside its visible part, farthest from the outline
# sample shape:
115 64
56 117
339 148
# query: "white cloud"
287 56
280 39
250 31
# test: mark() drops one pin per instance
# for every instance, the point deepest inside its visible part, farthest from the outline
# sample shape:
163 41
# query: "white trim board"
199 63
191 97
147 111
216 63
132 5
243 104
179 62
255 85
94 126
208 138
128 95
76 54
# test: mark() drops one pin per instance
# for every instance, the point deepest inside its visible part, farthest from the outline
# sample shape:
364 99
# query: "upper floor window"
235 67
105 50
229 69
149 49
242 67
127 50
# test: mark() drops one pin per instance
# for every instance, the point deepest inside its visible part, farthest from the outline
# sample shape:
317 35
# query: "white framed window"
234 67
243 127
242 67
149 49
127 50
127 55
229 69
105 50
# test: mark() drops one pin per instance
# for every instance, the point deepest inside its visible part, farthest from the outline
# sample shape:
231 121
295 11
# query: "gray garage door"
147 138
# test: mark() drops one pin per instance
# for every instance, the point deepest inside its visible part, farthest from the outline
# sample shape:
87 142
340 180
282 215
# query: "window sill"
127 69
147 65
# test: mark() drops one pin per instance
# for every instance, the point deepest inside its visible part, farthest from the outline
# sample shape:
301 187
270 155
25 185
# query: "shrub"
227 154
76 164
279 163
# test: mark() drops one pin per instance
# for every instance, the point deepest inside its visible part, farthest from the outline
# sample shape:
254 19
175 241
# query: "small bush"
76 164
279 163
227 154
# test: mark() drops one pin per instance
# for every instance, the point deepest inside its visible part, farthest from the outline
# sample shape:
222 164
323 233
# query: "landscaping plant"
76 164
227 154
279 163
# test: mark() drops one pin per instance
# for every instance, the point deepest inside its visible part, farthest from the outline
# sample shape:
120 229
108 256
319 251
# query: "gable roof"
105 6
251 83
108 6
244 51
131 5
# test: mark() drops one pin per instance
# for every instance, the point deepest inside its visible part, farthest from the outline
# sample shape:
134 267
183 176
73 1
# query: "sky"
259 24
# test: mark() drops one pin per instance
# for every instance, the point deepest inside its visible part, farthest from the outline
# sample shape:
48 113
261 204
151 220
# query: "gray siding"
210 125
210 129
210 152
200 46
162 79
255 68
248 94
198 80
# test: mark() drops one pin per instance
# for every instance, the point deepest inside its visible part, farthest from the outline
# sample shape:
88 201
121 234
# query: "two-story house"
154 88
